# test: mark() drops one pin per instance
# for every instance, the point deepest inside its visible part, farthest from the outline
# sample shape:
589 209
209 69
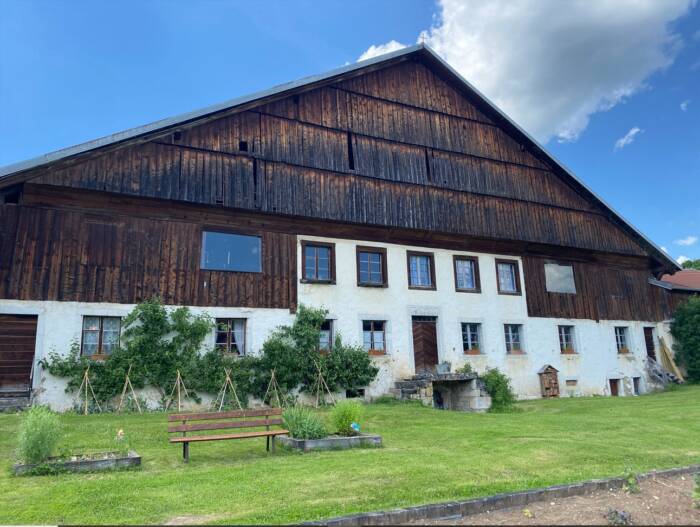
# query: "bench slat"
219 437
257 412
225 424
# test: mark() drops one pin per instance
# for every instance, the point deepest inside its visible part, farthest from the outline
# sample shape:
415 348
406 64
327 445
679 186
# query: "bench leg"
186 452
267 446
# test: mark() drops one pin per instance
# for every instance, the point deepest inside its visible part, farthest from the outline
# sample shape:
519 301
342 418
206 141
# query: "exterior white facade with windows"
596 359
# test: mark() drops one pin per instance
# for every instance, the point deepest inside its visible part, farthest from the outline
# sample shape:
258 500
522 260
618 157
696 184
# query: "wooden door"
614 387
649 341
17 342
425 351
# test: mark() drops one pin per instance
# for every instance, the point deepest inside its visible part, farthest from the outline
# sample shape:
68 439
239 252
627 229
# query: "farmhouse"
393 193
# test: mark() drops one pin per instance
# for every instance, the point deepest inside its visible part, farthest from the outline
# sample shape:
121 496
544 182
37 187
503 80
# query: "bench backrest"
223 420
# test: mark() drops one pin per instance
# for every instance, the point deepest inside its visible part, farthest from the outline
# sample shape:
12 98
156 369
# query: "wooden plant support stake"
273 389
84 386
127 384
228 383
321 386
180 387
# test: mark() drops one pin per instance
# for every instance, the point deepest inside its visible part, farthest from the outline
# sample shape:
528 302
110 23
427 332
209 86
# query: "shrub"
38 435
344 414
685 328
303 423
498 387
466 369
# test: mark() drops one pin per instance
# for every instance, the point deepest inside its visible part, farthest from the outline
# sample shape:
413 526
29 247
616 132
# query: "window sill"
375 286
97 357
323 352
474 352
468 290
569 352
320 282
515 353
422 288
376 353
623 351
507 293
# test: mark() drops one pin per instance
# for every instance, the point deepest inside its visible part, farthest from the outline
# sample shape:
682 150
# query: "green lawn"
429 456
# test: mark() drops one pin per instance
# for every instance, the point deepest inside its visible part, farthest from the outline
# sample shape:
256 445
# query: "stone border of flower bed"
457 509
331 442
132 459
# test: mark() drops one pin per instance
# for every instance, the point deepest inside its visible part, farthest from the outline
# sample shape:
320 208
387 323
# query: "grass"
429 456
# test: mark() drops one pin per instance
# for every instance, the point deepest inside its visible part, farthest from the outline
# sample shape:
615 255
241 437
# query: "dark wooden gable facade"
395 154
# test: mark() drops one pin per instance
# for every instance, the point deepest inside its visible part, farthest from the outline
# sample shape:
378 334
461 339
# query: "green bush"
498 387
303 423
39 433
466 369
344 414
685 328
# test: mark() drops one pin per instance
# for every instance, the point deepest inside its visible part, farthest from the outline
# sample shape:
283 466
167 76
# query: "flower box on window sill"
473 351
99 357
515 352
623 351
310 281
568 351
377 353
323 352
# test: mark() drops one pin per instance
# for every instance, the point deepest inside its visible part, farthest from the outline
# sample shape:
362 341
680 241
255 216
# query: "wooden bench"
225 421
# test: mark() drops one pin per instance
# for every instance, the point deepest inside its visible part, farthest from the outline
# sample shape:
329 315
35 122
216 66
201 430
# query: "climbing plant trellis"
84 386
227 386
130 387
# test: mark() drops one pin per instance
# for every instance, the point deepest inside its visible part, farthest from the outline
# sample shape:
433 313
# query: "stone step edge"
456 509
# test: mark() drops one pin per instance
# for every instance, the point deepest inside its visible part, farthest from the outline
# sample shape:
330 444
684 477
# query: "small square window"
371 267
508 277
421 270
513 336
471 338
222 251
100 335
318 262
466 270
566 339
621 339
559 278
325 338
373 336
230 335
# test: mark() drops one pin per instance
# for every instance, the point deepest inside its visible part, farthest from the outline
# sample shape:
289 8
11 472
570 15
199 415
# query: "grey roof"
673 287
419 50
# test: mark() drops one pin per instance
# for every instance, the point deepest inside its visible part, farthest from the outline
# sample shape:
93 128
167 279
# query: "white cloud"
682 259
628 138
381 49
687 241
685 104
550 65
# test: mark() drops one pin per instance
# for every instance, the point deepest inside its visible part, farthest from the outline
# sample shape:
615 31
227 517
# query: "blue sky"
71 71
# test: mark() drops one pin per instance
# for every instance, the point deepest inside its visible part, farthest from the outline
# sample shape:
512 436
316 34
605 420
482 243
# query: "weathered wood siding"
603 292
396 148
52 254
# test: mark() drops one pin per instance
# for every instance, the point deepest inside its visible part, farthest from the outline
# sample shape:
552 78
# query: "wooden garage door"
425 351
17 341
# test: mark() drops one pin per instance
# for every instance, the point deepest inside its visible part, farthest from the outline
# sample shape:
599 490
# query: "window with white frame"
100 335
373 336
513 336
621 339
230 335
471 338
566 339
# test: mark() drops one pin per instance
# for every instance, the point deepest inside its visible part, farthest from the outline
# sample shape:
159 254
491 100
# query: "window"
508 277
373 336
621 339
466 274
635 384
559 278
421 270
223 251
471 343
230 335
566 339
100 335
325 339
318 262
371 267
513 338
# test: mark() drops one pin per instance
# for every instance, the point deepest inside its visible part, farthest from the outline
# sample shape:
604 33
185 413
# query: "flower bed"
331 442
81 463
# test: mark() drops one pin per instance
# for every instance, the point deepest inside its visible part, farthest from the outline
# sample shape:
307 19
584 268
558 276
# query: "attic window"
243 146
559 278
